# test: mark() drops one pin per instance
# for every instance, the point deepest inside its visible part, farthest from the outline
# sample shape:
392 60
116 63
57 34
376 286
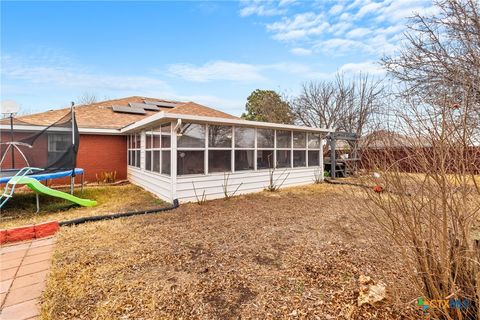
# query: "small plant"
273 184
225 186
200 200
106 177
317 175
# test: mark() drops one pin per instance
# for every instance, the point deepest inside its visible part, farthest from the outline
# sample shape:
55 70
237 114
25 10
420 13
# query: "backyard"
298 252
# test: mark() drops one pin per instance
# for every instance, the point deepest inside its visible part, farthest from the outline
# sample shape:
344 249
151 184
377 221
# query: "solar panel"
161 103
124 109
144 106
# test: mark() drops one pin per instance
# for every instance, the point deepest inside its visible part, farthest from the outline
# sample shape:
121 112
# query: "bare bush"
432 209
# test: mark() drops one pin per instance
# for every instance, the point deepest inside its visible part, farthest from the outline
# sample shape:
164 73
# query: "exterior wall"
102 153
159 185
249 181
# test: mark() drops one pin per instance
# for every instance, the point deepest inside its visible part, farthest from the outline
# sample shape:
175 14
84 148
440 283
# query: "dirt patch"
257 256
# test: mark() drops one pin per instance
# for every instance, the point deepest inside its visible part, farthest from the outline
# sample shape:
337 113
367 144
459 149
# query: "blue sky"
213 53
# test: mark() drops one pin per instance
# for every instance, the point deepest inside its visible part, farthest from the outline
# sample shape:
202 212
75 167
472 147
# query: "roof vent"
163 104
144 106
124 109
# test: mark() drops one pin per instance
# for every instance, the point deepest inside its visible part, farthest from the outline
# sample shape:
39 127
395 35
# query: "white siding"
252 181
159 185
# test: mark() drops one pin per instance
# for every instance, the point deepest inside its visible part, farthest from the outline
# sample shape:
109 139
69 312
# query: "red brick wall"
102 153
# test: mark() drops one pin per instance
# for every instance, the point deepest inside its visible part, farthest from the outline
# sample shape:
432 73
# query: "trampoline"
30 153
6 175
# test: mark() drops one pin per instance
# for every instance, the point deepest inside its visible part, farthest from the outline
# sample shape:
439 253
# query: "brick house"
172 148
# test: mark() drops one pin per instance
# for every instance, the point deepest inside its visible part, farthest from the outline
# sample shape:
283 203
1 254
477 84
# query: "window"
313 158
264 159
192 135
190 162
299 158
157 149
244 160
219 137
244 148
283 158
191 149
244 137
134 149
314 142
220 148
299 140
284 139
299 149
219 160
58 144
265 146
265 138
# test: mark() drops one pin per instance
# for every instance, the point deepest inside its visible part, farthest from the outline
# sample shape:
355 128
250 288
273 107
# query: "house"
183 150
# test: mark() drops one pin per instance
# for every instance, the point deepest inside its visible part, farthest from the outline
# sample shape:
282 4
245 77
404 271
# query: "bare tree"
87 98
440 50
347 105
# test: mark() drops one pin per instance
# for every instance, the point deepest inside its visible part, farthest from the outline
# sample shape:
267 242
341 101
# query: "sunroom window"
244 148
265 146
314 142
134 150
299 149
219 148
284 143
191 149
157 149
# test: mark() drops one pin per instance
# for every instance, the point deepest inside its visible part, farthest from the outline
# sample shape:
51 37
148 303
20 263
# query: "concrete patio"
24 268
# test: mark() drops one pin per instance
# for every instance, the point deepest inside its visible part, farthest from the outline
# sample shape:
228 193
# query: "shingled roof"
100 115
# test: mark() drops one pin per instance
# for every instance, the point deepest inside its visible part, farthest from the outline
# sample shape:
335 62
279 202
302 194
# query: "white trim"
81 130
215 120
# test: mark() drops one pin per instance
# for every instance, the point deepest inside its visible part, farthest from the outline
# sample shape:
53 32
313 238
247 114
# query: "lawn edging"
29 232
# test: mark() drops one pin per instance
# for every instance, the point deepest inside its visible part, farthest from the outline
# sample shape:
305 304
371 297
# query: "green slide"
36 186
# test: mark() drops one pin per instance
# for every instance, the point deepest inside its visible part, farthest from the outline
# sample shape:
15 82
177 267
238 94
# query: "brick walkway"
24 268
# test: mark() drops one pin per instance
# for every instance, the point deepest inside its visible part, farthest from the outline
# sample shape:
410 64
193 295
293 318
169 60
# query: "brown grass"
298 252
20 210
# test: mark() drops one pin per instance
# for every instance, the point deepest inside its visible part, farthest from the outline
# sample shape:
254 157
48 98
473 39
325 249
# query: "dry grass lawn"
20 210
296 253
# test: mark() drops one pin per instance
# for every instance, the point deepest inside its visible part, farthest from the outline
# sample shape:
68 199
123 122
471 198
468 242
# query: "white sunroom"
185 157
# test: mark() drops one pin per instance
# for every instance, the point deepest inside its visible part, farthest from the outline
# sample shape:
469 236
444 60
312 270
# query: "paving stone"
38 257
28 280
42 249
12 263
20 295
33 267
5 285
43 242
14 247
13 255
21 311
8 274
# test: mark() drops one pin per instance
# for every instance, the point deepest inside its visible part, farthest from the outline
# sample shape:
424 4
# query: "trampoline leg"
37 197
83 182
72 184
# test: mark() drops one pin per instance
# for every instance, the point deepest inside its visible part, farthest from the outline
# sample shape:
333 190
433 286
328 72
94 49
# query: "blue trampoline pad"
6 175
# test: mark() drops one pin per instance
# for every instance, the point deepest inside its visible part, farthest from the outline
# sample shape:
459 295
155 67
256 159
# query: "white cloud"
38 71
263 8
371 26
301 51
363 67
300 26
217 70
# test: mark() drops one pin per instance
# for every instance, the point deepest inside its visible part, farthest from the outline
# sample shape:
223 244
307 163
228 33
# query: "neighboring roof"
390 139
101 115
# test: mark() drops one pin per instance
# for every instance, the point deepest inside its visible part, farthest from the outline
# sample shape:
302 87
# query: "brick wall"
102 153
